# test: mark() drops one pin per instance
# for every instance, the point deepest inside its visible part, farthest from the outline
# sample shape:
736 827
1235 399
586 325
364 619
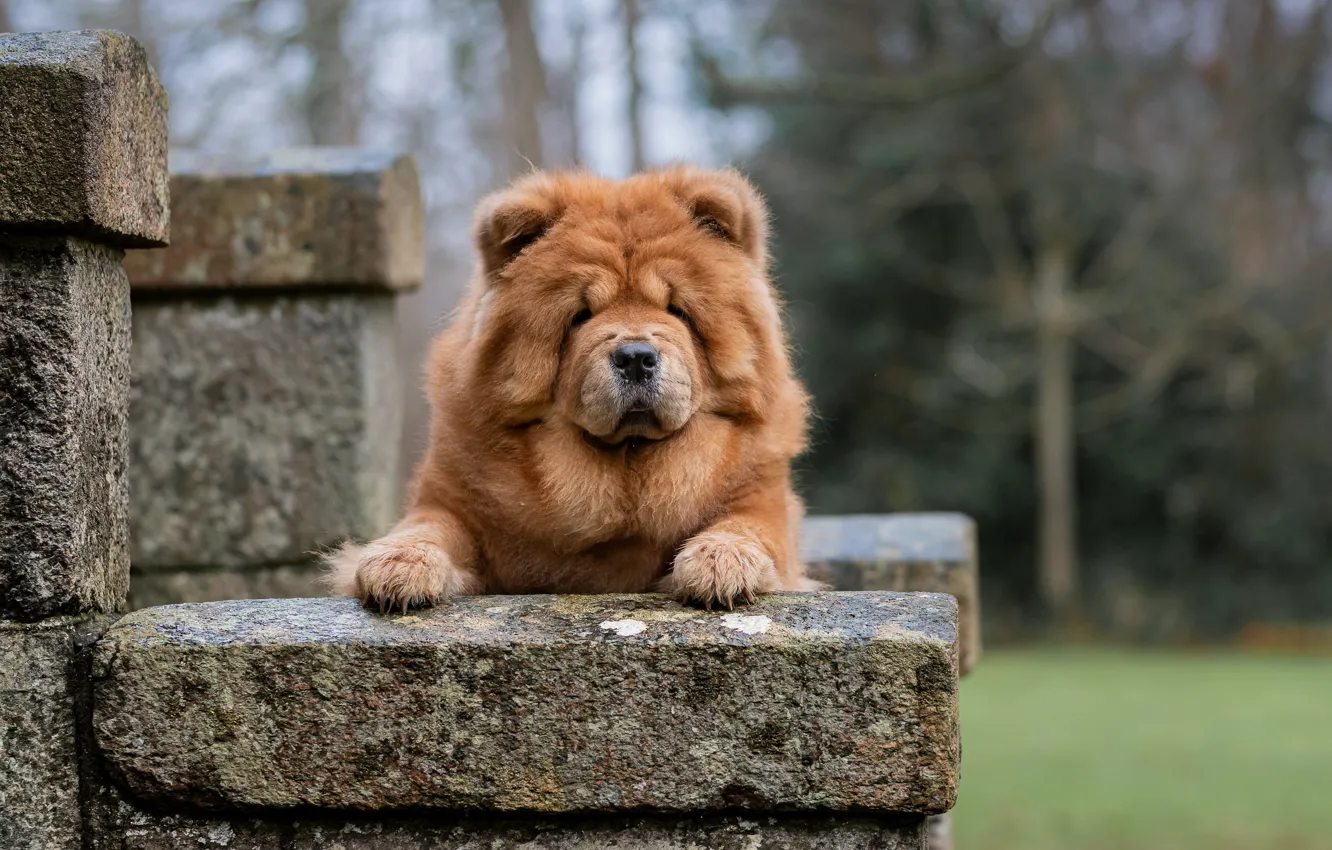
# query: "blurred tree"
525 86
567 82
327 100
630 19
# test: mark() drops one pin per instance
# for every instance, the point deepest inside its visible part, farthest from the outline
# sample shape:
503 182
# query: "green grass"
1101 750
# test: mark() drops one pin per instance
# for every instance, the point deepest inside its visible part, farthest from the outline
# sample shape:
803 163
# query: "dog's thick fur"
546 472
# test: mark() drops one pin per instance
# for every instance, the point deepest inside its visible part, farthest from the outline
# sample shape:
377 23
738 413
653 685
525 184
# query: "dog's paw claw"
721 568
391 575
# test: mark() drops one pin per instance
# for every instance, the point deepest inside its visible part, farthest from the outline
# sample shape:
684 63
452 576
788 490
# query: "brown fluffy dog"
613 406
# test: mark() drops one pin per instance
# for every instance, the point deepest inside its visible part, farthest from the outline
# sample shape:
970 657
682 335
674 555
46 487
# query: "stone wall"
266 404
82 177
806 721
824 720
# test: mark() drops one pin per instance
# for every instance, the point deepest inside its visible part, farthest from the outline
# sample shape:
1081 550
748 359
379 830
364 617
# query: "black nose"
636 362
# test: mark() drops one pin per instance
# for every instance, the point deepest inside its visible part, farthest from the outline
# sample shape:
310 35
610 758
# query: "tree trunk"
525 89
565 143
574 100
630 16
327 107
1056 475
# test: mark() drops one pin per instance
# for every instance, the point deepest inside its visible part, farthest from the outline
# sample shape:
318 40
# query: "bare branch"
997 233
884 92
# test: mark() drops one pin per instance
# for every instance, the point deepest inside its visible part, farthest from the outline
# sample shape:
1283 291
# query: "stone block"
64 388
261 428
83 138
827 702
39 766
925 552
168 587
322 217
770 831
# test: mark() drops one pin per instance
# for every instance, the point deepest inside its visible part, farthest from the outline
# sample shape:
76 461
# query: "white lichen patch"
624 628
750 624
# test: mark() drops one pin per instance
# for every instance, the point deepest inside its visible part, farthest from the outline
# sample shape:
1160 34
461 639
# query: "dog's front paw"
720 567
395 572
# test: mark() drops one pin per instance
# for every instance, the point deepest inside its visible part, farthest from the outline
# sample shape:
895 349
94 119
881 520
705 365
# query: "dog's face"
628 371
624 310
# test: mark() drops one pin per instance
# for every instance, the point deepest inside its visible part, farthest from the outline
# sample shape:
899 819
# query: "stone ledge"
809 702
308 217
82 138
930 552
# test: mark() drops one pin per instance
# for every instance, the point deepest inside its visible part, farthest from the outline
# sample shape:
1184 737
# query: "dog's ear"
512 219
727 206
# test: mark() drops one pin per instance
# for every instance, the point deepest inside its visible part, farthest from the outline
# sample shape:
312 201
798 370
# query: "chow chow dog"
613 405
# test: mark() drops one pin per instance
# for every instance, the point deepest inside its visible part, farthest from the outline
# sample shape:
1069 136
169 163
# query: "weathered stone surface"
323 217
926 552
83 138
168 587
261 428
39 770
540 703
64 386
768 831
939 832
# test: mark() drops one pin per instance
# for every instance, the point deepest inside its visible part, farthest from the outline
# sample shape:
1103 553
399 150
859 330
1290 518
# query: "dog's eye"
711 225
678 313
582 317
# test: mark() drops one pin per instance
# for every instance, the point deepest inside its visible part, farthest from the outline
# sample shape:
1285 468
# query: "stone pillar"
929 552
82 177
266 405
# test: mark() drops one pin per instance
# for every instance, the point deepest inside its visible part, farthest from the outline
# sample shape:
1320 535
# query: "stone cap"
305 217
802 702
83 138
927 552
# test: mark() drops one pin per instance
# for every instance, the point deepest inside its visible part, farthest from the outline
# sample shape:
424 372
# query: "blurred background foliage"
1065 271
1059 264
